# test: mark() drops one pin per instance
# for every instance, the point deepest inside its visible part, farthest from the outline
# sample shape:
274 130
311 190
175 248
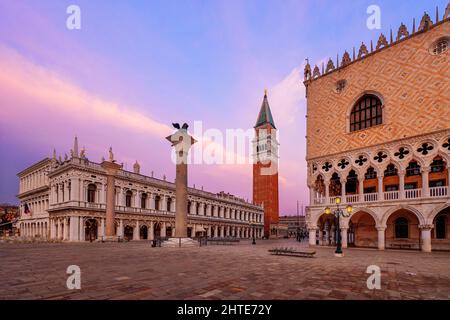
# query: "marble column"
312 236
344 237
163 230
327 191
361 188
425 235
380 187
111 169
381 238
151 234
136 231
425 183
401 184
182 142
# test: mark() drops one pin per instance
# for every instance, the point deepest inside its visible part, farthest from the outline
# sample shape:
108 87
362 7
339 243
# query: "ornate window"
371 174
413 169
437 165
157 200
366 113
143 200
128 196
390 171
440 46
92 188
401 228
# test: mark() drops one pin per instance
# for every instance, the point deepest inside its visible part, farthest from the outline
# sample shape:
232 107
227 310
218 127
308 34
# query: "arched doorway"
362 231
326 230
402 230
128 233
143 232
440 235
157 230
90 230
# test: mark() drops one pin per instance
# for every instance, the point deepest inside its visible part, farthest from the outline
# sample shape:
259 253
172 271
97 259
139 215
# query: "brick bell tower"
265 168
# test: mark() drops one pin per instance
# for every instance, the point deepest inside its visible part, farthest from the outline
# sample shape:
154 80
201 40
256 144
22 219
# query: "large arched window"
401 228
92 188
128 196
366 113
143 200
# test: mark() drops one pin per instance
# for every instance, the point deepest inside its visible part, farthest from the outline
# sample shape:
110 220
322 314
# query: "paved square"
135 270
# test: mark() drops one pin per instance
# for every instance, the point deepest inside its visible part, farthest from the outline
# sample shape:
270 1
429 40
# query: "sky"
136 66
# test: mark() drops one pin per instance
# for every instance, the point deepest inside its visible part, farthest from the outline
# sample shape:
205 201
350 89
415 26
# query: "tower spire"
265 115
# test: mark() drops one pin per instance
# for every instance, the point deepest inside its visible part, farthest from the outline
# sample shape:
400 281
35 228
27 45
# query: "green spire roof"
265 115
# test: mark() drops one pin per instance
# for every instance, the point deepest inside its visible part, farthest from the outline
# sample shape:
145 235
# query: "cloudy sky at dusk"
136 66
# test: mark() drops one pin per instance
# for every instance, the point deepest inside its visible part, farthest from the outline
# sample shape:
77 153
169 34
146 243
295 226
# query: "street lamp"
337 214
254 239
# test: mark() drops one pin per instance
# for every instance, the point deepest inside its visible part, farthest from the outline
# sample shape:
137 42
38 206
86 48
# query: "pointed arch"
411 209
436 211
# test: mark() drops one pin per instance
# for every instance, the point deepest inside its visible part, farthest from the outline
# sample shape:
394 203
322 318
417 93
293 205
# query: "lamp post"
338 212
254 239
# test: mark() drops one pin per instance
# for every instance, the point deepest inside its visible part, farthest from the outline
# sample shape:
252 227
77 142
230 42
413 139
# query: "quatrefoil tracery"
343 163
446 145
327 166
380 157
402 152
360 161
425 148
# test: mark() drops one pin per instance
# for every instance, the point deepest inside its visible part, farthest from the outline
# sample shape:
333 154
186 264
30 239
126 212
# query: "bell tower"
265 168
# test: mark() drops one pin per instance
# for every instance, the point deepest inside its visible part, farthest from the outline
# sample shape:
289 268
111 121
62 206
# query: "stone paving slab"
135 270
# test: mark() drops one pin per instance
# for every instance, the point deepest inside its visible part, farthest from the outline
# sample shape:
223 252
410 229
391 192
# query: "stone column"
120 229
163 229
320 237
216 231
312 236
361 188
81 233
380 186
327 191
343 183
182 142
74 225
74 188
425 183
111 169
137 203
136 231
151 234
222 231
401 184
381 238
344 237
102 228
425 235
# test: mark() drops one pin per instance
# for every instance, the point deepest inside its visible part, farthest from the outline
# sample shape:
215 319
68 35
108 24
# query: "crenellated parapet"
426 23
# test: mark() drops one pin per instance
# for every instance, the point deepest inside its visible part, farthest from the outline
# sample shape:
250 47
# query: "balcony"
434 192
124 209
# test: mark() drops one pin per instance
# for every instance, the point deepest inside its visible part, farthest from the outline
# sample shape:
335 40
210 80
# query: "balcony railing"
434 192
438 191
413 193
125 209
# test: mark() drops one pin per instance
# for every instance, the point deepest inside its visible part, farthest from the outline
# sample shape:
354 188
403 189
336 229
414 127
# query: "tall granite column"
182 142
111 169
